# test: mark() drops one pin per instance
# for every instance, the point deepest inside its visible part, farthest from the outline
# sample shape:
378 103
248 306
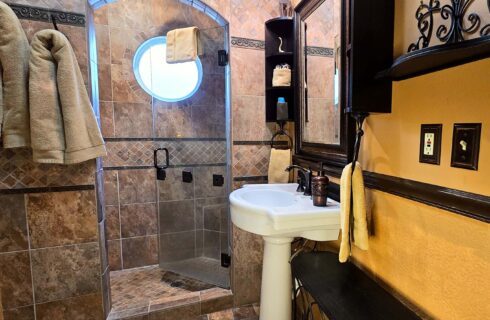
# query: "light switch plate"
430 143
466 145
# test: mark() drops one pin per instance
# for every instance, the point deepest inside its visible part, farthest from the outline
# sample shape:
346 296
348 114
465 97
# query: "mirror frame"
332 155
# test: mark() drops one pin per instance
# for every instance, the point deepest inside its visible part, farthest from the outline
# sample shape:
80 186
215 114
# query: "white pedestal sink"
279 214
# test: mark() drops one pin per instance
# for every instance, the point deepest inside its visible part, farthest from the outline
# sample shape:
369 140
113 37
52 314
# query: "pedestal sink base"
279 214
276 294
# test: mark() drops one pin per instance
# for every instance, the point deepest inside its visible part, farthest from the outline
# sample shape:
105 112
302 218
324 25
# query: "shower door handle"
161 174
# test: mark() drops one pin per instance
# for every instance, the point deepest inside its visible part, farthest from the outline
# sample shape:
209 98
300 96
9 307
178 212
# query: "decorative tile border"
18 170
45 15
163 139
251 178
47 189
251 160
247 43
194 152
139 153
170 167
259 143
260 45
319 51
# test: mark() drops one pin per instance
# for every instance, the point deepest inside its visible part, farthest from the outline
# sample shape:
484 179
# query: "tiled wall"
182 220
51 264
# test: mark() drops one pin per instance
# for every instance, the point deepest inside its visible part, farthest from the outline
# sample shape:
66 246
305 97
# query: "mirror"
323 129
321 109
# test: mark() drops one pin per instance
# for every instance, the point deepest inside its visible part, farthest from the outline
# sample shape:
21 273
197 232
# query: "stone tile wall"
51 263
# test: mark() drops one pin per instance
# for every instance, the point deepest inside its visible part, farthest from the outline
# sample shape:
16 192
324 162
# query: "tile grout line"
30 256
68 298
112 87
120 223
65 246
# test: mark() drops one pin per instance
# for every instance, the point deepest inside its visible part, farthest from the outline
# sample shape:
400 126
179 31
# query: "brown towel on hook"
63 125
14 66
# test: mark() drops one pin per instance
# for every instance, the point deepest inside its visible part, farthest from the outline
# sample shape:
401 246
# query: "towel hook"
359 117
53 20
282 132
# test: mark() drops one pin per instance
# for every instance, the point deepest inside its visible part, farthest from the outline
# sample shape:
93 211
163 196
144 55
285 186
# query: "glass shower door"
193 210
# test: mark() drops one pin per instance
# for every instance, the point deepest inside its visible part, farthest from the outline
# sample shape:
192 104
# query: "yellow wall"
438 260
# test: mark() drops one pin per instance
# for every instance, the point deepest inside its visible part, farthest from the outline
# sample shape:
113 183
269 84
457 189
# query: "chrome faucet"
304 181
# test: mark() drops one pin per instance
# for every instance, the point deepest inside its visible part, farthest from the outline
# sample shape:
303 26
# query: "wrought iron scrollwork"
456 13
425 23
485 31
460 22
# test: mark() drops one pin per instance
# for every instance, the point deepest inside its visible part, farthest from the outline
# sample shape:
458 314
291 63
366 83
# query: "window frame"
142 49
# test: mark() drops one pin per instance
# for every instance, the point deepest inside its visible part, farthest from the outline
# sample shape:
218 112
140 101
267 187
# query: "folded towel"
63 125
279 161
183 45
355 183
281 78
14 65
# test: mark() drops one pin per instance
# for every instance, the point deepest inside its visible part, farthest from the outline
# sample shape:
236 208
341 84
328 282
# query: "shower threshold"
206 269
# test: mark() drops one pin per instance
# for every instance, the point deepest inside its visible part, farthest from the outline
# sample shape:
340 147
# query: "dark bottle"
319 189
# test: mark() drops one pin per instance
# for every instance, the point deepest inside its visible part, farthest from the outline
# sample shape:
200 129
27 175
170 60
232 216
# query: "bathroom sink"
279 214
268 198
278 210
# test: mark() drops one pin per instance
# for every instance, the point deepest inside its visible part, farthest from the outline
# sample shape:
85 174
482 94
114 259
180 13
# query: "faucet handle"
301 187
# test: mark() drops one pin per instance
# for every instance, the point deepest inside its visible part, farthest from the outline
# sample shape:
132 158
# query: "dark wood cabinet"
368 49
366 38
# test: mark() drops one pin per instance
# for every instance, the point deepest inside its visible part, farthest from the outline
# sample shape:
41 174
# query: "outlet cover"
466 145
430 143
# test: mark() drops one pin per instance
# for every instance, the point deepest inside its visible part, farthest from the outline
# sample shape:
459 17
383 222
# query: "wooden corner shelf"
437 58
282 27
279 88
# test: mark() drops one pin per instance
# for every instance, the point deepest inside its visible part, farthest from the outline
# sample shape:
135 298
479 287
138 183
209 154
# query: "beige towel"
63 125
279 161
14 65
355 181
183 45
281 78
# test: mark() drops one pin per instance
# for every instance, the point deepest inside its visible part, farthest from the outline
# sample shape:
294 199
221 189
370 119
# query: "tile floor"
242 313
152 293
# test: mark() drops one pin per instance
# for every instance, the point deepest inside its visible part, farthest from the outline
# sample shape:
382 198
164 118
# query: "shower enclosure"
182 222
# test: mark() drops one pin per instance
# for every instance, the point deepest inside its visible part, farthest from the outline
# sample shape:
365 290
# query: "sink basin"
279 214
268 198
278 210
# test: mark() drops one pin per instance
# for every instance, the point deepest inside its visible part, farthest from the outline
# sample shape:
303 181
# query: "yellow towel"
63 125
14 66
355 183
279 161
183 45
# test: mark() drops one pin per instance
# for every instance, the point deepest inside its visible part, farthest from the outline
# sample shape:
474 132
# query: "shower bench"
328 289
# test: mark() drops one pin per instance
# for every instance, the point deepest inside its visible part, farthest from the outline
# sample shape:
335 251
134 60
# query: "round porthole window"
166 82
